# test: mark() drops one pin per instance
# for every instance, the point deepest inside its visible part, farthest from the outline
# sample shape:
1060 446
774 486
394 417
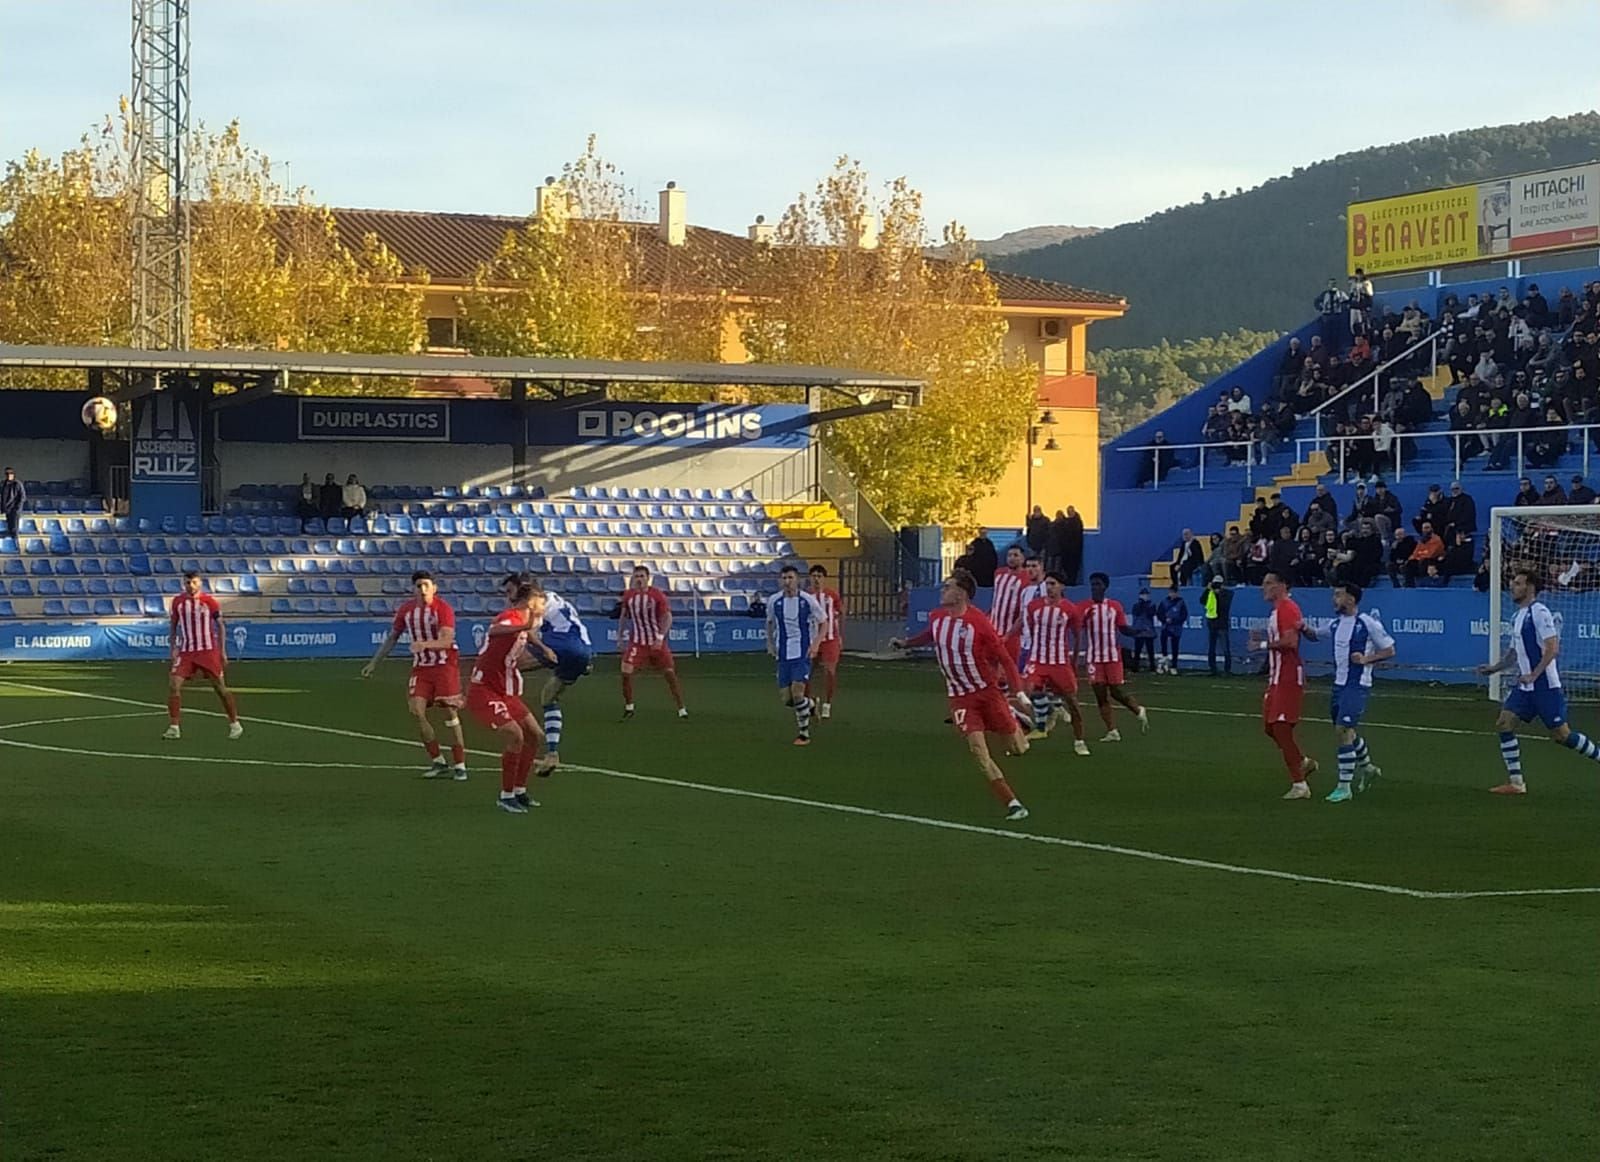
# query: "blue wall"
1550 284
1142 525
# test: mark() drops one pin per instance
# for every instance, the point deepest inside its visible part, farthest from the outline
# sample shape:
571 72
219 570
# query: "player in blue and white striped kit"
794 622
563 632
1359 643
1535 643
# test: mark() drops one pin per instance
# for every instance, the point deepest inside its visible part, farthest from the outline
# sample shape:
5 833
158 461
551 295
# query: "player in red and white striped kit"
199 649
1005 605
430 623
1286 681
830 637
494 694
1104 624
646 619
973 657
1050 624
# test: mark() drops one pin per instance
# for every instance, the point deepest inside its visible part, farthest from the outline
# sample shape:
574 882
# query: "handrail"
1431 337
1488 436
1249 447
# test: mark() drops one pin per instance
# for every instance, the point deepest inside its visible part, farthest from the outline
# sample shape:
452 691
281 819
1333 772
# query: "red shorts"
1281 704
1062 679
828 651
1105 673
642 657
985 712
205 664
433 684
494 710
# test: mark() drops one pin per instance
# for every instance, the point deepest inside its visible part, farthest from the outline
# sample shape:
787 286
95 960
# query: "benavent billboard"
1556 209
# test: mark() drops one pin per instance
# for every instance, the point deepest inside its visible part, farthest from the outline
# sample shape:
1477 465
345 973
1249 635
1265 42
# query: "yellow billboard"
1413 231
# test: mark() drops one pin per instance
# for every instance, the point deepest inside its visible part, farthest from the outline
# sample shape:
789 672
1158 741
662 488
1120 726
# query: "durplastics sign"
1550 210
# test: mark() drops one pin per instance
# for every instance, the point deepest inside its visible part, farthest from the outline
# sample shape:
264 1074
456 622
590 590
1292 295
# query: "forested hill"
1255 259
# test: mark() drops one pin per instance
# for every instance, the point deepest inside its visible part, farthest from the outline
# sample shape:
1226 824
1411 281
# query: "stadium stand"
714 549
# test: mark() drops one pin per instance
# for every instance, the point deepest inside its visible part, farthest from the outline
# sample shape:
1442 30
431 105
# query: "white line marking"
918 820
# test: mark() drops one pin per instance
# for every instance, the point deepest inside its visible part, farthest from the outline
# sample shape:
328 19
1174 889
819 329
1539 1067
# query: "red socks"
432 747
1002 791
1293 759
174 708
458 754
508 771
627 688
525 759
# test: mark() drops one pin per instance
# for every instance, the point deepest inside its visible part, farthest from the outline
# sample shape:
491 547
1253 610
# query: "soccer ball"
100 414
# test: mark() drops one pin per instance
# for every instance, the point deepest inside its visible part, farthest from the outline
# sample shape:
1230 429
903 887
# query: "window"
442 332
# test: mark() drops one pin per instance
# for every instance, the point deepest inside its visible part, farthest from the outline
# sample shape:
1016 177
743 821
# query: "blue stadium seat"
153 606
249 585
356 607
104 607
15 567
359 566
216 525
72 587
122 587
20 588
99 587
67 568
285 565
128 607
194 525
224 586
310 565
281 605
356 525
314 527
320 586
337 565
78 607
344 587
467 526
474 604
286 526
327 607
90 567
53 608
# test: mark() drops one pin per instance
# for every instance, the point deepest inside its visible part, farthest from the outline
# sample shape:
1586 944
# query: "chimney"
673 225
552 206
867 231
761 233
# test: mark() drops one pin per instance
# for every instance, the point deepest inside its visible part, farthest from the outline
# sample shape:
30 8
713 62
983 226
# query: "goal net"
1561 546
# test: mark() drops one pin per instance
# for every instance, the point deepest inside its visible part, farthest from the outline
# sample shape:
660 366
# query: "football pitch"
708 943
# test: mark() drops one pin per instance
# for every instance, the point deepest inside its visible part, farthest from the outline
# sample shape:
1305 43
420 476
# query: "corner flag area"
707 943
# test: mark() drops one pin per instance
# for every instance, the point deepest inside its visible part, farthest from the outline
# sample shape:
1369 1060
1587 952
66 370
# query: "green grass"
218 960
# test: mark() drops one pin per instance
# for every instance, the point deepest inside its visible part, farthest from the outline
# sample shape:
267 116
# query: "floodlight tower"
160 174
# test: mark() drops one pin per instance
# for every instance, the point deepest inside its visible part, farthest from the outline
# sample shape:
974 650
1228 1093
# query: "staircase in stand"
816 529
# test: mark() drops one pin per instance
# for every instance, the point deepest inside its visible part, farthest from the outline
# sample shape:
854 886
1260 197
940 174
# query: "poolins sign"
166 445
675 425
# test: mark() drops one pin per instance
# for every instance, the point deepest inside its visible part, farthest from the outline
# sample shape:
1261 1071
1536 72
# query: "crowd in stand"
1516 365
330 498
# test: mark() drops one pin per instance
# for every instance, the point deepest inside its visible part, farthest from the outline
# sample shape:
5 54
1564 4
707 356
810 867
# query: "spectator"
1526 495
1288 369
1549 444
331 498
1172 615
1283 554
1038 534
1387 516
1143 629
1464 420
1432 578
1331 305
982 559
1067 533
1324 500
1218 609
1308 393
1256 568
1187 558
1416 407
1553 492
1566 308
1359 294
1413 322
1235 554
309 506
1486 368
1258 520
1216 563
1318 520
1360 505
1537 306
1366 554
1238 401
1580 493
1279 516
354 498
12 498
1432 511
1331 553
1399 554
1429 547
1308 558
1158 461
1461 512
1458 556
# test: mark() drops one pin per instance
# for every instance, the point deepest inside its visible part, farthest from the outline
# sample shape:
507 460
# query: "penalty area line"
902 817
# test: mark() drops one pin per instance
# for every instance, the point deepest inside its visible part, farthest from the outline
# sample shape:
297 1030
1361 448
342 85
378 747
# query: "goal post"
1561 545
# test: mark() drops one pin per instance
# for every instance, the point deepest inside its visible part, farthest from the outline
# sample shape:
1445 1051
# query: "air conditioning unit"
1051 330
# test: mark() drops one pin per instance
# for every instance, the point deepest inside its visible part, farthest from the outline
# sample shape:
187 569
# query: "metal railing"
1375 377
1249 447
794 478
1490 439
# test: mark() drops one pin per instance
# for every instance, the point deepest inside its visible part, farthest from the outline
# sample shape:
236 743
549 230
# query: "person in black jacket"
1460 513
1387 515
1432 511
1069 530
1580 493
12 497
983 558
1038 532
332 498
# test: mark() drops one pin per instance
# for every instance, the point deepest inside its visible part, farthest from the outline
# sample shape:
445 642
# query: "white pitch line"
918 820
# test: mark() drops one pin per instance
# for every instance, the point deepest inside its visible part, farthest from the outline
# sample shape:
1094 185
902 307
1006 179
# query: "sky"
1004 114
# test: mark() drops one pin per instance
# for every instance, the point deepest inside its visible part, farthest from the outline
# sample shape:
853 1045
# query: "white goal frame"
1497 641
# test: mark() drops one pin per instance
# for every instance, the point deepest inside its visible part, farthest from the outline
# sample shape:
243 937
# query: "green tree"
822 297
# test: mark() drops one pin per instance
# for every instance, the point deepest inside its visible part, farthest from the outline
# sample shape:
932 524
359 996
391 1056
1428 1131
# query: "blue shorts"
1548 706
572 659
1349 703
793 672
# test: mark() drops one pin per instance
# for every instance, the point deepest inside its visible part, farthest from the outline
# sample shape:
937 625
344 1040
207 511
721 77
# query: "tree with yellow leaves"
838 289
269 269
